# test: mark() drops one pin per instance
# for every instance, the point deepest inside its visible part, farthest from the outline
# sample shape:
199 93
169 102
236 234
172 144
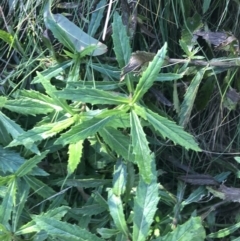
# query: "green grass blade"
116 211
10 161
187 105
150 74
52 71
107 70
96 17
145 206
50 89
121 42
141 150
21 199
39 187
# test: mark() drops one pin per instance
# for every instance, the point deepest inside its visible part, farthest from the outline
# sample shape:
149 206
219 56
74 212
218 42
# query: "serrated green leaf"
39 187
41 132
41 98
28 106
225 231
28 165
145 206
189 98
116 211
11 127
6 206
150 74
162 77
121 41
69 34
75 154
118 142
195 196
190 230
83 130
100 85
15 130
93 96
89 210
56 213
63 230
21 199
141 149
86 183
10 161
121 121
119 178
52 71
168 129
4 181
5 136
50 89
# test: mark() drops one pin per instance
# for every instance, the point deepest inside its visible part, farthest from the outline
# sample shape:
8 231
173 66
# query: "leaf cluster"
94 135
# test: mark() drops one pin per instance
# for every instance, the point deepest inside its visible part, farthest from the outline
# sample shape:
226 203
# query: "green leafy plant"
90 148
91 112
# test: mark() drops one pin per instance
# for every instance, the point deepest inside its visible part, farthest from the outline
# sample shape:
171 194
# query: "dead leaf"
226 193
221 40
199 179
215 38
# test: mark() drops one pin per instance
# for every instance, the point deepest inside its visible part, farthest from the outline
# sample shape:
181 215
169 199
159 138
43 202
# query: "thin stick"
107 20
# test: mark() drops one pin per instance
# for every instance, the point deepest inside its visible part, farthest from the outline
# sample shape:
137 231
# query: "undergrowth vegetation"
119 120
